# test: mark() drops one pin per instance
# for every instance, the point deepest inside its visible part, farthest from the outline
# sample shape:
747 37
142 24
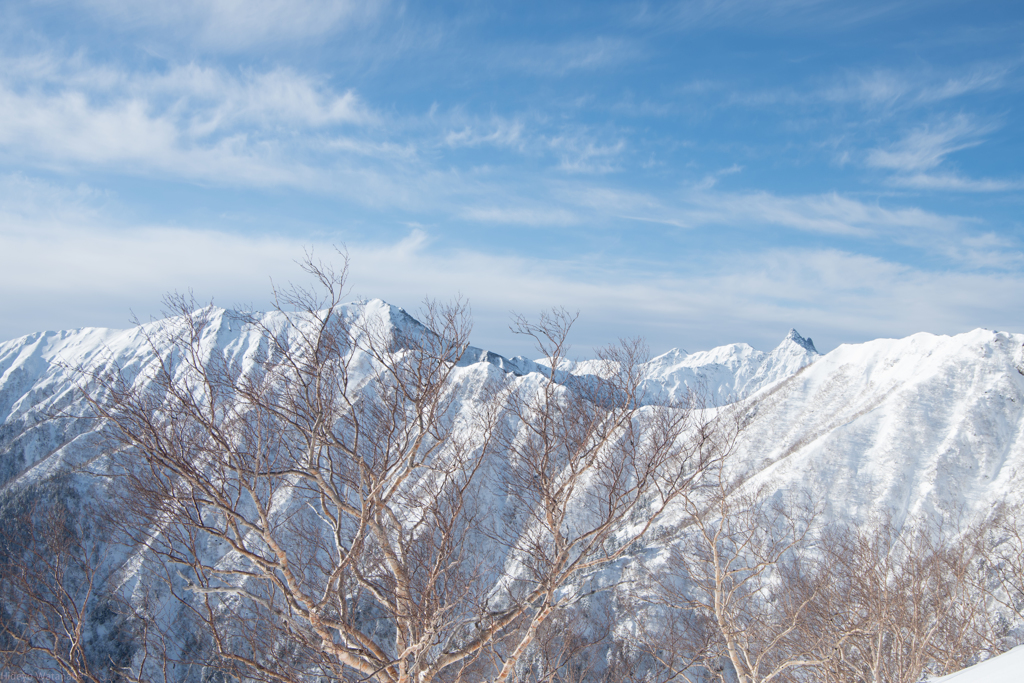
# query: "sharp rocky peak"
804 342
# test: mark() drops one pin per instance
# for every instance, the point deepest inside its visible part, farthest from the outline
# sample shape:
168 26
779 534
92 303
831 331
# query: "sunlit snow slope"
1006 668
911 426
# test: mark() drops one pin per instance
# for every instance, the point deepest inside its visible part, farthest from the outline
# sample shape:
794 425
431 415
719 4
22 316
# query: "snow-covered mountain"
727 373
916 426
922 426
37 377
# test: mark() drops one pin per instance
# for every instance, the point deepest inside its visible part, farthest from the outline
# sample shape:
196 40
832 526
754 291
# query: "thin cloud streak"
927 146
498 131
563 58
579 153
829 214
957 183
915 87
777 16
228 25
521 215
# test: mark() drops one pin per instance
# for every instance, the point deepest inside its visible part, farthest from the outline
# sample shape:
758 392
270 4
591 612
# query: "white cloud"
24 198
710 180
579 153
875 87
212 98
982 78
700 207
520 215
192 121
950 181
915 87
66 129
373 149
926 147
884 91
237 24
498 131
855 297
573 55
72 269
830 213
280 95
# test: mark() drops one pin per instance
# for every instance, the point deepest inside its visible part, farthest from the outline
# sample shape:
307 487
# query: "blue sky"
695 172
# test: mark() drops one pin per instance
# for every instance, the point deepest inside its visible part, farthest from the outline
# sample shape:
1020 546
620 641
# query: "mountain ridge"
792 386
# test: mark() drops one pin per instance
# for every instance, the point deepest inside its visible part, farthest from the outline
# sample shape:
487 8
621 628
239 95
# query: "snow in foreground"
1006 668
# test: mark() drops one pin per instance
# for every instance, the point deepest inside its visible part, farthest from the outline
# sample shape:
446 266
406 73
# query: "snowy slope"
915 426
1006 668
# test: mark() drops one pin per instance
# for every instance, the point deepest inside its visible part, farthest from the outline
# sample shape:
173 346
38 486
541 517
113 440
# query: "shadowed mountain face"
923 427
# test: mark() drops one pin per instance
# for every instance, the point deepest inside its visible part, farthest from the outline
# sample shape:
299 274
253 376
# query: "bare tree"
666 642
734 584
573 646
319 508
899 605
53 586
1003 579
589 472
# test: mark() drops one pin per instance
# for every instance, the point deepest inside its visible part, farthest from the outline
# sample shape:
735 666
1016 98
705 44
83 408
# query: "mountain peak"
805 342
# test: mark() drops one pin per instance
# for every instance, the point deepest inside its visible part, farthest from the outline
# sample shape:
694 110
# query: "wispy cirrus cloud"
209 98
927 146
955 183
66 129
581 153
712 179
915 87
915 157
373 149
560 59
962 241
252 128
884 89
521 215
497 131
229 25
827 214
